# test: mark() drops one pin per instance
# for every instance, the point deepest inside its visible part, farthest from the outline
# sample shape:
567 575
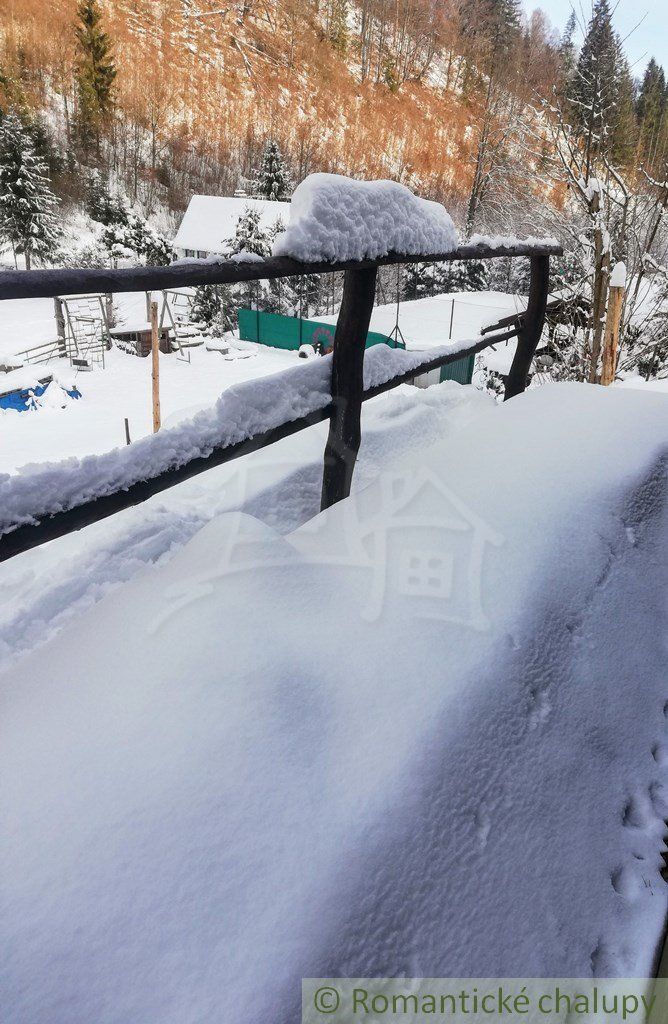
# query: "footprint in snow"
658 795
540 709
638 812
626 882
604 963
483 826
660 753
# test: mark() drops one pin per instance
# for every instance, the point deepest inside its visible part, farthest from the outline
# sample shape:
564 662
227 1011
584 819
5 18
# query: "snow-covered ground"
423 733
96 423
655 384
457 316
281 485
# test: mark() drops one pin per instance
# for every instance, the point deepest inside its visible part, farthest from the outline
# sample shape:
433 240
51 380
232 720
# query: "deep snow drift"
425 733
280 485
334 218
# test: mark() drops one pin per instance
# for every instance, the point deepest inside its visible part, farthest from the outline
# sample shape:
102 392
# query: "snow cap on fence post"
334 218
618 276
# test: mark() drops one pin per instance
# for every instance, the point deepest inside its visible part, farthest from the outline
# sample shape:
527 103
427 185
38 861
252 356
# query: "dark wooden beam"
345 430
556 304
532 325
33 284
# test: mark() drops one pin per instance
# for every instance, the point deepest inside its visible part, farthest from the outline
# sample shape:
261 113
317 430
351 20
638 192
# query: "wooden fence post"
359 290
60 325
533 323
155 366
613 320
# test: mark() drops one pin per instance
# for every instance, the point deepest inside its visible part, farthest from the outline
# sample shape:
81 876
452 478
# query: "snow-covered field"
422 733
96 423
458 316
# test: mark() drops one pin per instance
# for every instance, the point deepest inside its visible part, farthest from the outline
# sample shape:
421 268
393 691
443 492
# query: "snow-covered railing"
40 284
47 502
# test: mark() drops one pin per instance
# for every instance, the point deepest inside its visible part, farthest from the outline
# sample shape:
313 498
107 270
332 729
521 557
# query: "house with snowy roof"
210 222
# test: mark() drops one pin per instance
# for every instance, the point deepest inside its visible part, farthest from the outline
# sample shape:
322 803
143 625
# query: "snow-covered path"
459 770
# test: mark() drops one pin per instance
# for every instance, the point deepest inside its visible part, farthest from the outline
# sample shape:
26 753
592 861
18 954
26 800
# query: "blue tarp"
21 398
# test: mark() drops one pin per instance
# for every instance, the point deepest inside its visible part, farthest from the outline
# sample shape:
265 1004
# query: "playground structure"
84 323
176 312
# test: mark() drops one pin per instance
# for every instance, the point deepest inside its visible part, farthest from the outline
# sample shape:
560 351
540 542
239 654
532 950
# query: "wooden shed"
136 338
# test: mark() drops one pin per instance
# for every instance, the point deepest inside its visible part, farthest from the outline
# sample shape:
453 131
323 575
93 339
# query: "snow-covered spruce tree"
417 281
273 179
337 25
601 92
28 207
95 70
249 235
217 306
651 111
567 51
101 204
132 237
462 276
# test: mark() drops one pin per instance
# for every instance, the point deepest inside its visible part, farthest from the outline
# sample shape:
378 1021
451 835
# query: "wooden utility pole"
155 366
613 320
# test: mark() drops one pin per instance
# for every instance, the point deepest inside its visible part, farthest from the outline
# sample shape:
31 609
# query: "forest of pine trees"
438 94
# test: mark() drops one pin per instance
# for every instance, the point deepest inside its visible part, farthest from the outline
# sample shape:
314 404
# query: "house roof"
210 220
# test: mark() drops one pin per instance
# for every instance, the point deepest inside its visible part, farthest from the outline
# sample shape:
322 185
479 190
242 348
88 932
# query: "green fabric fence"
289 332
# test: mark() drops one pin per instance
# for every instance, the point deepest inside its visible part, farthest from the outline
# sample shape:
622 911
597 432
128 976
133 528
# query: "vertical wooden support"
60 325
612 323
533 323
359 290
155 366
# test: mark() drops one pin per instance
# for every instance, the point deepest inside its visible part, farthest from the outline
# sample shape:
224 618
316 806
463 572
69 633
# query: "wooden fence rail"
348 394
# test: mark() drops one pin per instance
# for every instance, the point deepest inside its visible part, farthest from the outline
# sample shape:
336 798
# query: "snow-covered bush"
133 237
249 236
101 204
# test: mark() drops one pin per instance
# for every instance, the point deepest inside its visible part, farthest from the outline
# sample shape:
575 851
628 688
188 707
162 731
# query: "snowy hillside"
425 767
